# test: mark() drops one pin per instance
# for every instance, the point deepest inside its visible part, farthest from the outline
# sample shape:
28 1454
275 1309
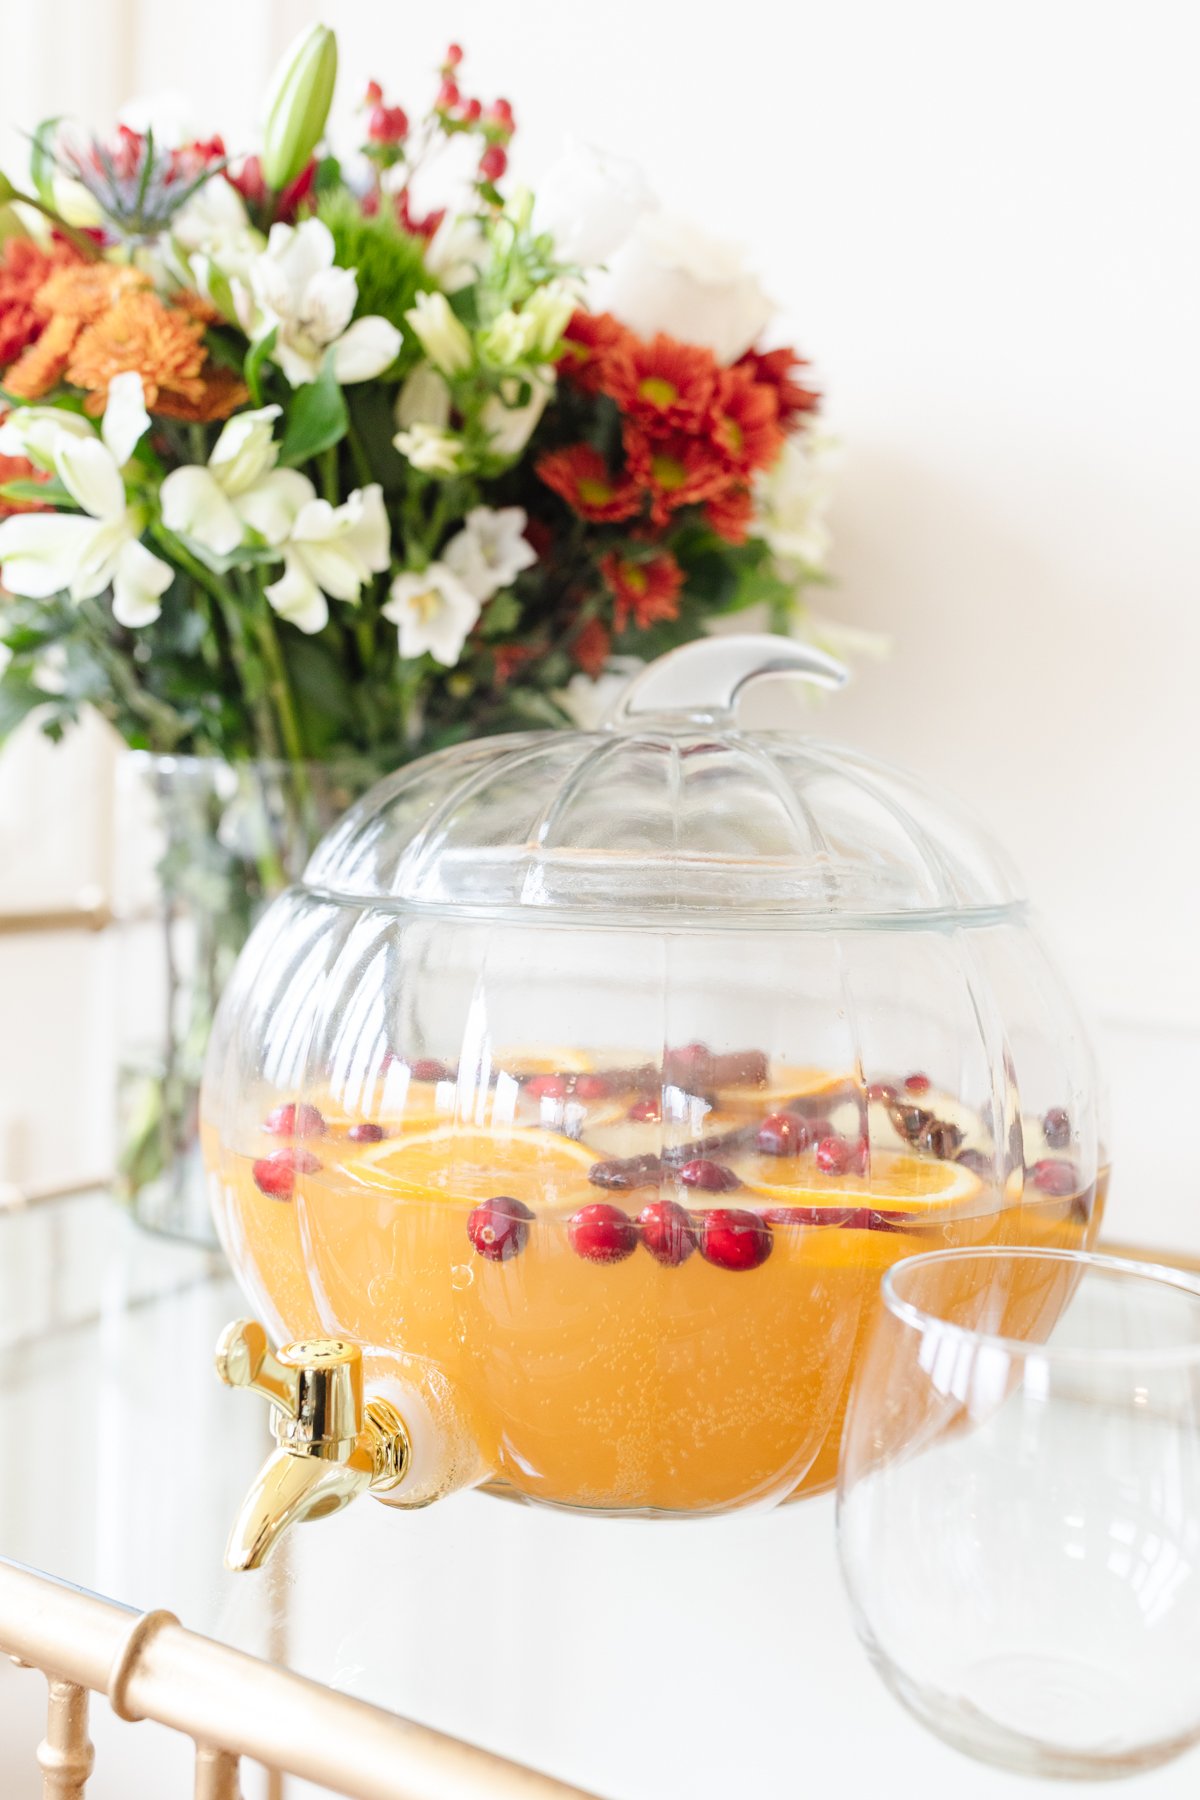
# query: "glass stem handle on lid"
705 680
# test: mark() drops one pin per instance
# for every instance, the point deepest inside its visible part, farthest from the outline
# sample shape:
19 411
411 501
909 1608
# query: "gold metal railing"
86 915
231 1705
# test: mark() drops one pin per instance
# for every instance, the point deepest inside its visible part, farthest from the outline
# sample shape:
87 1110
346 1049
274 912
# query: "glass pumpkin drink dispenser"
563 1121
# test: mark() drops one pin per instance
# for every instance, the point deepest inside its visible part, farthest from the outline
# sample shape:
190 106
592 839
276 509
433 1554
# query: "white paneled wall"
981 222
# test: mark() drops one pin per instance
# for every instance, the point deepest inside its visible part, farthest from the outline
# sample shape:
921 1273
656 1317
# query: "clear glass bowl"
1019 1506
590 1081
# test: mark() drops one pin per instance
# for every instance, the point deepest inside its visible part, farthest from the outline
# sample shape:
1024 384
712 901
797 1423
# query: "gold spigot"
331 1447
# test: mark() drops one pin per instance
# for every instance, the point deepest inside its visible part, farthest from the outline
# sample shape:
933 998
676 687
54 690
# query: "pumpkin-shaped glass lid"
673 812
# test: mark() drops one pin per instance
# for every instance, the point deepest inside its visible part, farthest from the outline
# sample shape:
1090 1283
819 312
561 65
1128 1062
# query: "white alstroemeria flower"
427 447
34 432
509 339
456 252
331 552
213 243
297 290
443 337
240 489
491 550
511 422
423 400
434 612
547 313
82 554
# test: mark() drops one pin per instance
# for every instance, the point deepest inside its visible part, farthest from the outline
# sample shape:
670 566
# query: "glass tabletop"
644 1660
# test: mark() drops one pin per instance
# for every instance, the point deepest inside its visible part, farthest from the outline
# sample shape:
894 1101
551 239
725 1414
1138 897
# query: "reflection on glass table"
643 1660
1019 1516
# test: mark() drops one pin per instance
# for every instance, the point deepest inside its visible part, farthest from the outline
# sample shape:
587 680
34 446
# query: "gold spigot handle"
330 1445
245 1360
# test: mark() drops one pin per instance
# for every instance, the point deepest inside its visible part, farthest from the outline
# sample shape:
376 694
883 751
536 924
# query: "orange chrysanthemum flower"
644 590
188 301
773 368
591 648
70 296
664 384
88 290
745 422
677 470
16 468
588 342
583 479
24 268
139 333
730 513
222 392
43 365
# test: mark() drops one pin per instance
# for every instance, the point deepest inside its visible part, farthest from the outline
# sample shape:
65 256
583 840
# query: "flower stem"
329 475
230 610
278 684
362 462
85 245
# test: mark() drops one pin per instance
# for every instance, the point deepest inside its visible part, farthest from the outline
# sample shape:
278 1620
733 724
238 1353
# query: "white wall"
981 222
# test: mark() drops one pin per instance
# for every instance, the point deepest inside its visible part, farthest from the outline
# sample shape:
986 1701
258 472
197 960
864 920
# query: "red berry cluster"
392 138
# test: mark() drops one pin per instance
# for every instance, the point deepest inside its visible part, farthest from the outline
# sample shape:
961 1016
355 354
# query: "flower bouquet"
298 469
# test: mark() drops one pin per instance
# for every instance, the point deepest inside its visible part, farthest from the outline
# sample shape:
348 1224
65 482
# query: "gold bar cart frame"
231 1705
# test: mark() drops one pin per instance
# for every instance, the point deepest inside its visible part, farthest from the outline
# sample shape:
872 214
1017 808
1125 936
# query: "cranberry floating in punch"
561 1123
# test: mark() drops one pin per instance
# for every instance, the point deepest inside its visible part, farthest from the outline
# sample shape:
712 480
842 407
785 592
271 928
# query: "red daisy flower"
583 479
644 590
745 421
773 368
678 470
591 647
540 537
588 342
730 513
507 659
663 384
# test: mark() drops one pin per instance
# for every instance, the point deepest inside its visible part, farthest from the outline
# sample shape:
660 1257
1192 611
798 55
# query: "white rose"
169 113
589 201
671 276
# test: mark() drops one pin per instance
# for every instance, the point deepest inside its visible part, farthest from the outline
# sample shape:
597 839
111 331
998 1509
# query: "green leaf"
323 694
501 615
42 163
317 419
257 354
18 698
51 493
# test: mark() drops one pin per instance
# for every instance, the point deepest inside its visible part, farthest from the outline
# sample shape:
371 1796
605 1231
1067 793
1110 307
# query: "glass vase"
202 846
